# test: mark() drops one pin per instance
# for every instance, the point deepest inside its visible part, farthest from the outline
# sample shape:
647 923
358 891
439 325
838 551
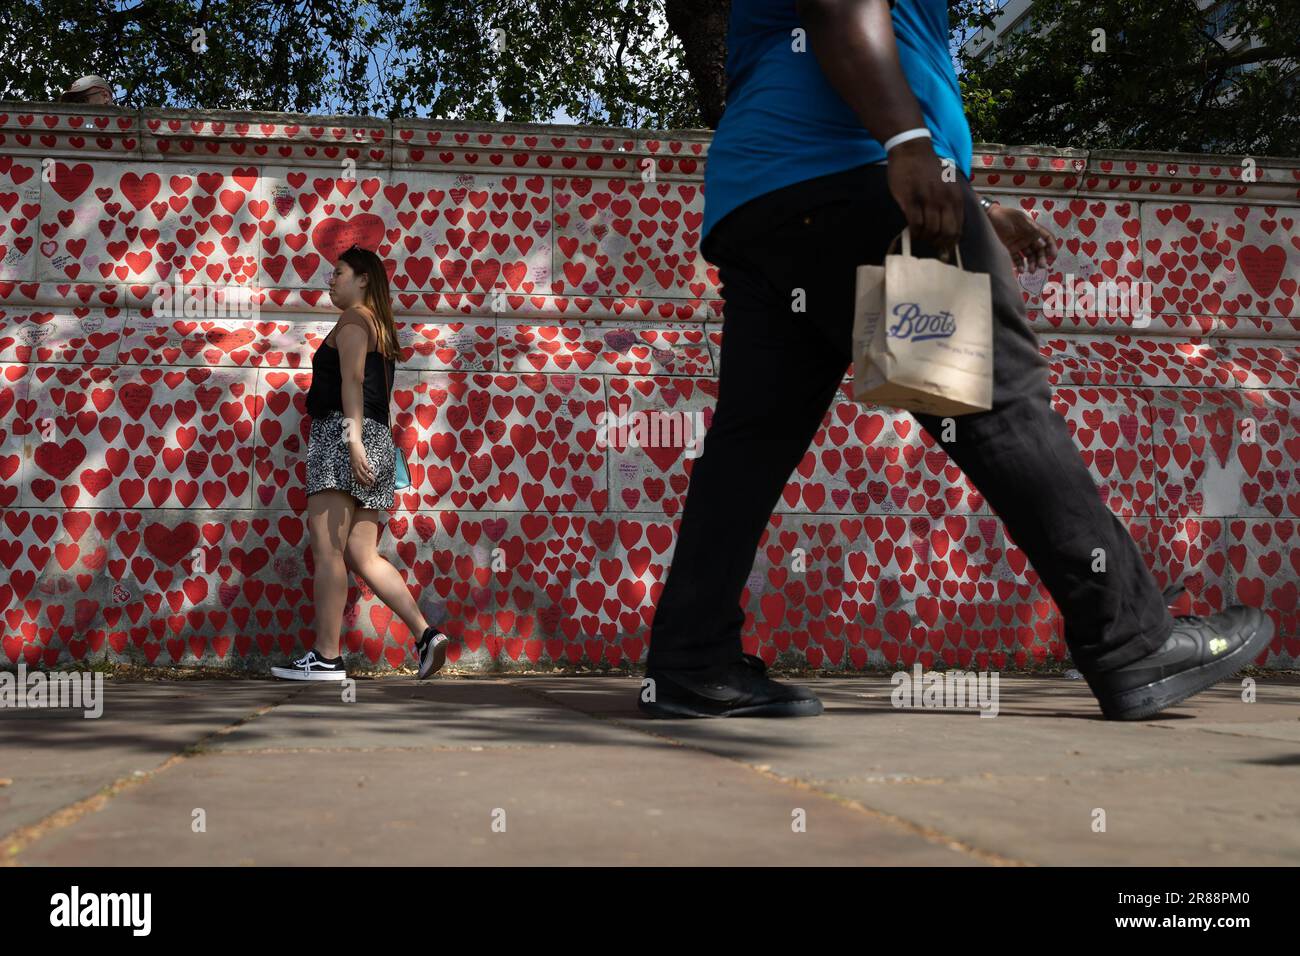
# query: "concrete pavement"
564 770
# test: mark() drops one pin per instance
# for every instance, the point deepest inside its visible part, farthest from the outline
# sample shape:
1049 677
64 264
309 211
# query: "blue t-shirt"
784 122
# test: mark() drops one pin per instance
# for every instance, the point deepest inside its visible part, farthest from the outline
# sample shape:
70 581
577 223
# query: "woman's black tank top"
326 392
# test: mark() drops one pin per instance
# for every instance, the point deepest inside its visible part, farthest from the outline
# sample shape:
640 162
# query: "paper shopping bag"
923 336
868 306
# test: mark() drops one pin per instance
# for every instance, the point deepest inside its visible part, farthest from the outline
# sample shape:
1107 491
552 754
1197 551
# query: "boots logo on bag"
917 326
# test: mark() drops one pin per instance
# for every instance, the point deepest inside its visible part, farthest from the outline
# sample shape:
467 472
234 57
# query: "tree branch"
1258 54
625 22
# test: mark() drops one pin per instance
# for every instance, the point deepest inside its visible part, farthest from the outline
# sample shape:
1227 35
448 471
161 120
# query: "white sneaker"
311 666
431 649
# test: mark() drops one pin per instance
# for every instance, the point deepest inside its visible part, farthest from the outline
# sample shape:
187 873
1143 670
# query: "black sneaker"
311 666
738 689
431 649
1199 652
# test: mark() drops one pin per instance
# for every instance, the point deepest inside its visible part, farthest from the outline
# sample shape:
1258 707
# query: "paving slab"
1024 783
412 773
1043 726
562 805
1273 730
1277 697
1172 817
399 712
55 757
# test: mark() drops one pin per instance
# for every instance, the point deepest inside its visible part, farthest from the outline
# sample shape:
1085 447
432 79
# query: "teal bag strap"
401 474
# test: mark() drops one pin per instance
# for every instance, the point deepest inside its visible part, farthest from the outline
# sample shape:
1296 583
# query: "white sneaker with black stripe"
431 649
311 666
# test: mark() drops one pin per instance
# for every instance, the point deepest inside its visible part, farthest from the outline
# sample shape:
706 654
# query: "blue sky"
377 56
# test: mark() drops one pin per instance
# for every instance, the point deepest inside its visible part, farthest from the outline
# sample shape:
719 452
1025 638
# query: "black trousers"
780 370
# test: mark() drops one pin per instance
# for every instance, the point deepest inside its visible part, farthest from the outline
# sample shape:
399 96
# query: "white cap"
91 82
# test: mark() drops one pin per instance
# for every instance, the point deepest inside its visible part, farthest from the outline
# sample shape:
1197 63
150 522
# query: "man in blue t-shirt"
843 125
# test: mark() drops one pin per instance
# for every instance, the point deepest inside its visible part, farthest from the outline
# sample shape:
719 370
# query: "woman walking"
351 463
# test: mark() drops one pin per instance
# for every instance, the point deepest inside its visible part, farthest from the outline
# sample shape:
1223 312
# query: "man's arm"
853 41
1031 246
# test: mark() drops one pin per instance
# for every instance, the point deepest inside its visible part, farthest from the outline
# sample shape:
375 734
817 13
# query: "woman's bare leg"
330 515
385 580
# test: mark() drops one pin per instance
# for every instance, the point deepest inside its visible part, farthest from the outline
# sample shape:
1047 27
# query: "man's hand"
934 208
1031 246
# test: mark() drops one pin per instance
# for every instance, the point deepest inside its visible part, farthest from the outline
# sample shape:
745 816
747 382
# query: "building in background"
1017 16
1012 18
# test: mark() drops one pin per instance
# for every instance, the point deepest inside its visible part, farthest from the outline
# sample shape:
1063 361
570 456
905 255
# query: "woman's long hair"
365 263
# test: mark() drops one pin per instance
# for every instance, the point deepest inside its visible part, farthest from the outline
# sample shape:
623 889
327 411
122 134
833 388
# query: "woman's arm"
352 340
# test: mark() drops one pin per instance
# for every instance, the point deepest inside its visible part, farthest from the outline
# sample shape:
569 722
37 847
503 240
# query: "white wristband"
904 136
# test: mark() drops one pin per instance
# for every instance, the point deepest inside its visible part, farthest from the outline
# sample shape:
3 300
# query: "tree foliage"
598 61
1164 82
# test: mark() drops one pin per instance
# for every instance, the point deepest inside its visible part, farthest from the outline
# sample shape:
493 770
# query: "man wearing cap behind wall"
843 124
93 90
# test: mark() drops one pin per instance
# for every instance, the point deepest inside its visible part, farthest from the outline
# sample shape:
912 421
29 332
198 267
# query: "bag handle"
906 236
389 386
